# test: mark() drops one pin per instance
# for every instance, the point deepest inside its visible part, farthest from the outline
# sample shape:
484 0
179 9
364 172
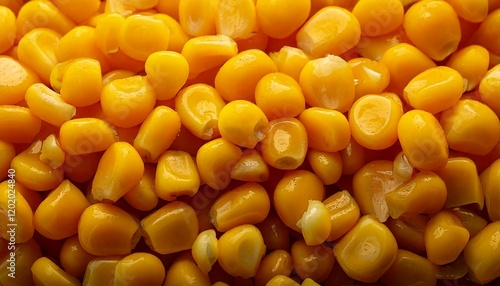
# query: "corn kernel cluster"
249 142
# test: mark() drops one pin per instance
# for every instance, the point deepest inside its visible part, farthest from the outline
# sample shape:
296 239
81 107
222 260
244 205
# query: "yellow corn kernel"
8 30
81 42
33 173
204 53
239 76
51 153
488 89
473 222
197 18
374 47
48 105
199 106
471 127
105 229
205 250
139 268
170 229
433 27
58 214
167 72
409 232
435 89
281 280
46 272
178 36
215 161
143 196
402 169
489 180
309 282
412 197
241 250
344 213
281 25
119 170
251 167
290 192
76 10
42 14
445 238
15 79
169 7
462 183
378 18
176 175
246 204
81 168
315 223
423 140
410 269
482 254
127 102
26 254
242 123
8 153
57 73
404 62
315 262
115 74
285 144
290 61
353 157
472 63
279 95
370 77
369 186
101 271
374 121
471 11
81 83
86 135
37 50
485 36
184 271
142 35
275 233
328 82
152 139
16 220
326 165
367 251
332 30
278 262
236 18
33 198
74 259
107 32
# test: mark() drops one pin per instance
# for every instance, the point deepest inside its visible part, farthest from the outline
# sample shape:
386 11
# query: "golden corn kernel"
488 89
344 213
15 211
410 268
489 180
86 135
412 197
15 78
370 77
327 165
74 259
236 18
327 130
409 232
139 268
34 174
48 105
26 254
290 192
184 271
153 138
378 17
176 175
142 35
215 161
8 153
178 37
315 262
241 250
251 167
81 83
481 254
472 63
315 223
281 25
12 117
101 271
472 221
238 77
275 233
278 262
107 32
143 196
290 60
199 106
285 144
81 168
205 250
76 10
281 280
484 35
170 229
58 215
328 82
119 170
28 18
332 30
353 157
471 127
367 251
105 229
167 71
423 140
8 29
197 18
51 153
402 169
46 272
115 74
433 27
246 204
445 238
242 123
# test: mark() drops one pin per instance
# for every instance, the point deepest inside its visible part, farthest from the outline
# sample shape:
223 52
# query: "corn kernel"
344 213
353 157
278 262
81 83
315 223
178 36
236 18
8 30
42 14
139 268
8 153
143 196
74 259
378 18
251 167
48 105
86 135
472 221
176 175
410 268
370 77
281 25
275 233
101 271
485 36
327 165
282 280
290 60
15 210
472 63
15 79
197 18
205 250
488 89
489 179
184 271
481 254
314 262
46 272
26 253
160 67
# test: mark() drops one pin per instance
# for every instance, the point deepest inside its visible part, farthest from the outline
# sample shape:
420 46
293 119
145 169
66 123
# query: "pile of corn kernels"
249 142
